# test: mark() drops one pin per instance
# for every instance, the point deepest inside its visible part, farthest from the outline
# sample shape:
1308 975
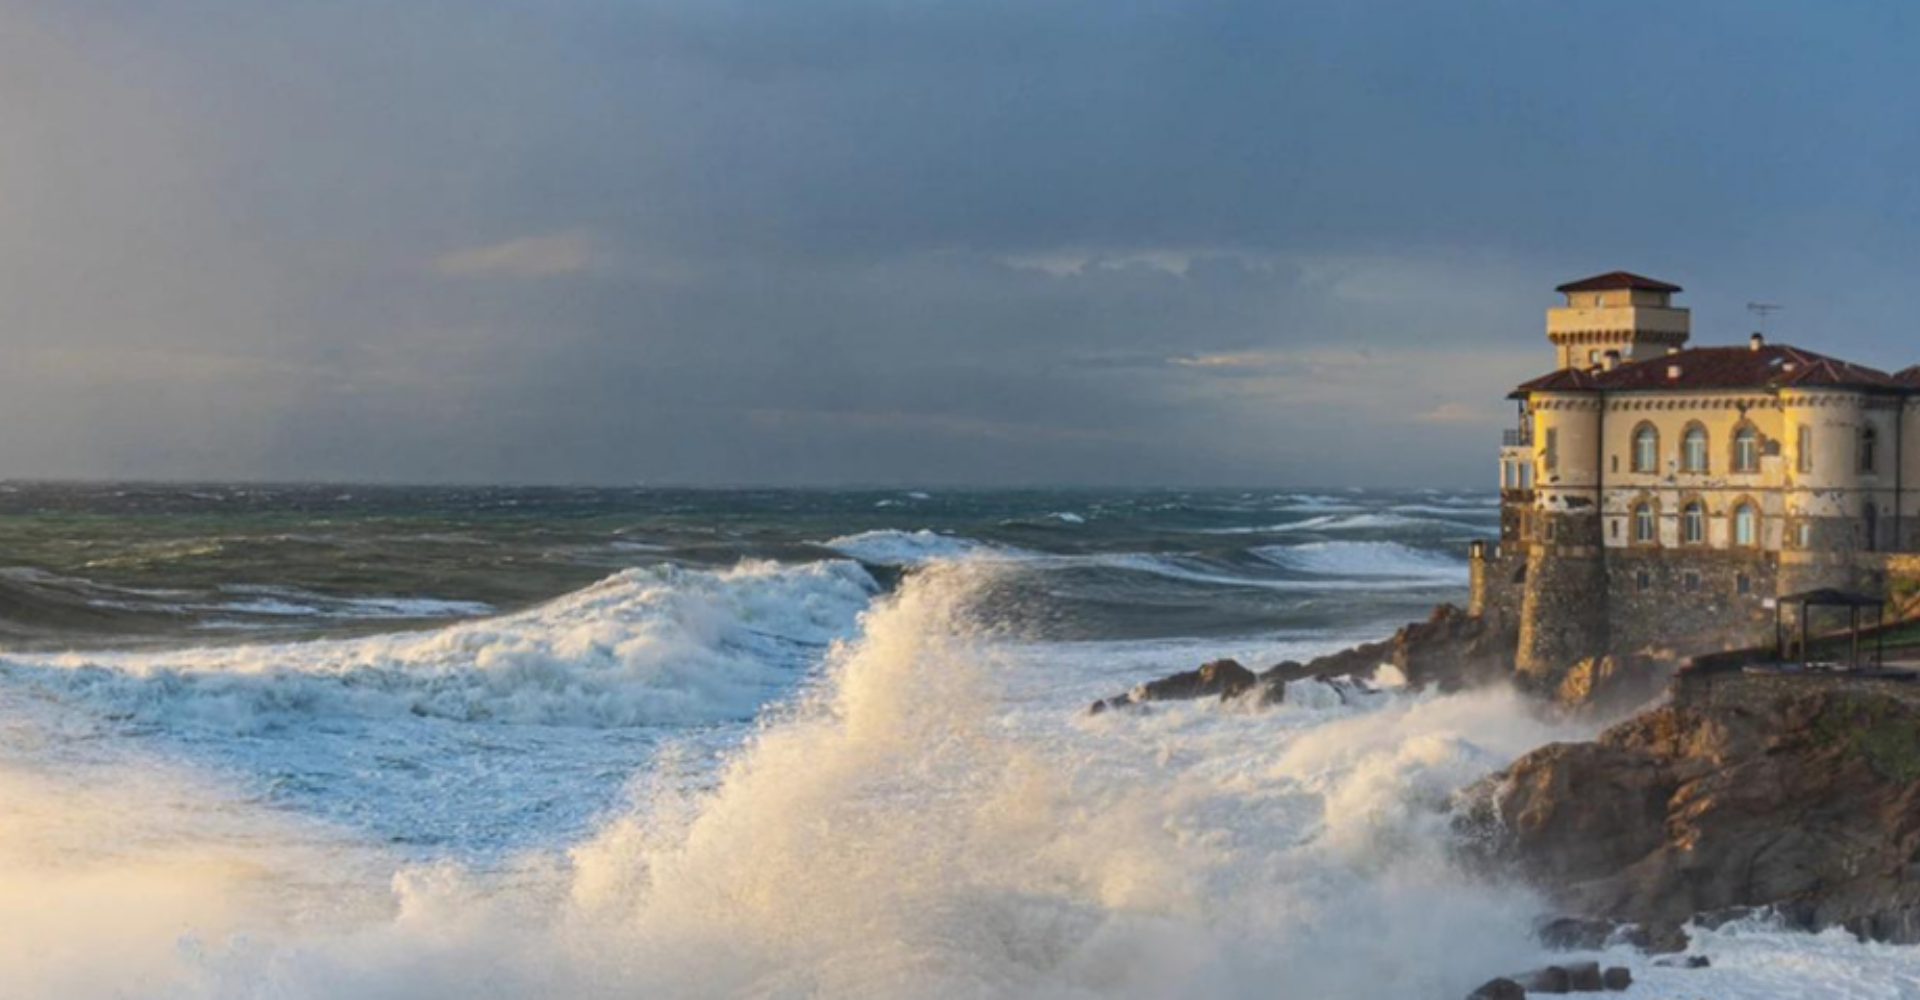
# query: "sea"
348 741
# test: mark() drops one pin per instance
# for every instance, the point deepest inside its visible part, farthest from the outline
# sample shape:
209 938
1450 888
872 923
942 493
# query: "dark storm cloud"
846 240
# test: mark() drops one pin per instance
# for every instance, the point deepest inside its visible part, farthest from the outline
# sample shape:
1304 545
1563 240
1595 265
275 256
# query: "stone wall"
1669 602
1497 578
1563 611
1722 691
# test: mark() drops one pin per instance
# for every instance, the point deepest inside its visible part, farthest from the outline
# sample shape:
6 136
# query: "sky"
993 242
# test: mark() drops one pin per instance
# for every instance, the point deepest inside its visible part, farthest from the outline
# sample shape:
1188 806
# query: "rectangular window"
1690 580
1551 458
1615 526
1643 580
1616 464
1803 450
1743 584
1803 534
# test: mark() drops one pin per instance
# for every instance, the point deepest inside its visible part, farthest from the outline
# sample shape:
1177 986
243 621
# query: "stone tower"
1617 311
1563 614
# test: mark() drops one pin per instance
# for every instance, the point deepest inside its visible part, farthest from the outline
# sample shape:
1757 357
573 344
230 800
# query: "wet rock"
1552 979
1684 962
1219 678
1678 811
1603 685
1588 934
1617 978
1329 692
1499 989
1584 977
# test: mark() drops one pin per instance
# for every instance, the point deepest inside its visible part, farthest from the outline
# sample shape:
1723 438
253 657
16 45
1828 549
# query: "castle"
1656 493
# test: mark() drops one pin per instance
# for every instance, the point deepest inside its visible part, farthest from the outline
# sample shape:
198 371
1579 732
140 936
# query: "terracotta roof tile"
1773 366
1613 280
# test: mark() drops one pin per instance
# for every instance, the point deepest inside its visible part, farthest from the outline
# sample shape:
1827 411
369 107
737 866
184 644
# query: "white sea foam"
1192 569
936 821
893 547
662 645
911 831
1446 510
1331 523
1366 559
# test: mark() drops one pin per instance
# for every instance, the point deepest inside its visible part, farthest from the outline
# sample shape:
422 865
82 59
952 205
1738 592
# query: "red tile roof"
1614 280
1773 366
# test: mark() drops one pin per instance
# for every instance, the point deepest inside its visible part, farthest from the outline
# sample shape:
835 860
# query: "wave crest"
655 646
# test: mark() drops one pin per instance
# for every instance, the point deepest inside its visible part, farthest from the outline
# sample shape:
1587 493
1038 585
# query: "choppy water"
321 742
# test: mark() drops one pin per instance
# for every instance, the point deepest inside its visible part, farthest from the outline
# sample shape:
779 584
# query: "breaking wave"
905 831
656 646
1367 559
1353 522
892 547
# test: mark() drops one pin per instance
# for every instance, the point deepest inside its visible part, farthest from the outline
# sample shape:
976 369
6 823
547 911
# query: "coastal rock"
1552 979
1499 989
1219 678
1607 684
1587 934
1584 977
1617 979
1797 793
1451 650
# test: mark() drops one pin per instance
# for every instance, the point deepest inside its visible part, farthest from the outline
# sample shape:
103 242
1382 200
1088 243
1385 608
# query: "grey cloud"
734 241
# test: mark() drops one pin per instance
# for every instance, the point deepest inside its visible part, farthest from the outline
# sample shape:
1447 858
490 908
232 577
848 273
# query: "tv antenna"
1763 310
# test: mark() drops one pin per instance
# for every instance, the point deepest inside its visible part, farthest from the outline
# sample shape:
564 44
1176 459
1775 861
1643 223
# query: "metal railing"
1522 438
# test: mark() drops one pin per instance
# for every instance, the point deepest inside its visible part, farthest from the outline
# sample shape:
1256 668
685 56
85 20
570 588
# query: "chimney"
1758 340
1610 360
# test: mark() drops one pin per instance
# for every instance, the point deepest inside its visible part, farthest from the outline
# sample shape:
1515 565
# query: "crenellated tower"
1616 312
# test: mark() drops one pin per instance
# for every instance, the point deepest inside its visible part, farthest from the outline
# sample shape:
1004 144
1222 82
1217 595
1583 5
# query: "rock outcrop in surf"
1450 651
1796 793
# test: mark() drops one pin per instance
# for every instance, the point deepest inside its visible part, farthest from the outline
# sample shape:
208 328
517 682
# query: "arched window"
1646 525
1646 449
1869 449
1746 527
1693 449
1746 449
1693 523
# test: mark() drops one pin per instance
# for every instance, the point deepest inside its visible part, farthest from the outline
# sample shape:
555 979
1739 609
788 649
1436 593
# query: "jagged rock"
1225 678
1607 684
1684 962
1584 977
1329 692
1499 989
1799 793
1588 934
1552 979
1617 979
1222 678
1451 650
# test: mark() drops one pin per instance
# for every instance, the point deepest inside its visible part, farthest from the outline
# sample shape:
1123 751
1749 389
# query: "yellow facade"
1780 470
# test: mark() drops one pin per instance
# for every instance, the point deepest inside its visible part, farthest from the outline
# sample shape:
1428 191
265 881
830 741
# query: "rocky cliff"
1795 792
